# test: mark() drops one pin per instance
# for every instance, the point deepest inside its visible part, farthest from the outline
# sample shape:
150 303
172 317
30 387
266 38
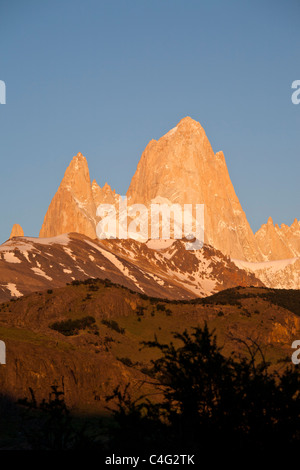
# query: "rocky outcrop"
292 236
103 195
16 231
279 243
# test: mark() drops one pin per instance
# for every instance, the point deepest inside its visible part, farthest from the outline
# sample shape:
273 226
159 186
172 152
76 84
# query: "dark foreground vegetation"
72 327
203 401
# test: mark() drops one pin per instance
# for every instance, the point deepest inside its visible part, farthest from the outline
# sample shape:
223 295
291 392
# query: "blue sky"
105 77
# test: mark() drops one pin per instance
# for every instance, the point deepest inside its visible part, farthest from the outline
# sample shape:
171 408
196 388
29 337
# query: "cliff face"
73 206
182 168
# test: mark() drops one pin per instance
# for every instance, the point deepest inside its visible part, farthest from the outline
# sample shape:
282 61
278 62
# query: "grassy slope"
89 363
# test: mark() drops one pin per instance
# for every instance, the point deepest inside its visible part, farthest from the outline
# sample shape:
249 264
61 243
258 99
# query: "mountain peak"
220 157
182 168
70 208
186 128
178 168
16 231
103 195
78 171
106 187
79 158
187 121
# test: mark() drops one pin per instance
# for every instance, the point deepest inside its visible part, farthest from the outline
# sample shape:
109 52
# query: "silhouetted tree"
49 425
211 401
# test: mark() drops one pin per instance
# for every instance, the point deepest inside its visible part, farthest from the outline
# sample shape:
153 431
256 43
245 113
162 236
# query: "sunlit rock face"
16 231
182 168
179 168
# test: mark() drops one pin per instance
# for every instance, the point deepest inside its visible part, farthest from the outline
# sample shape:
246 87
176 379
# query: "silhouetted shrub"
49 425
209 402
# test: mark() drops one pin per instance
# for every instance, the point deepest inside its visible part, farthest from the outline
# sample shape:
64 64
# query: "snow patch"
13 289
39 272
159 244
116 262
70 253
60 240
10 257
25 254
274 266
